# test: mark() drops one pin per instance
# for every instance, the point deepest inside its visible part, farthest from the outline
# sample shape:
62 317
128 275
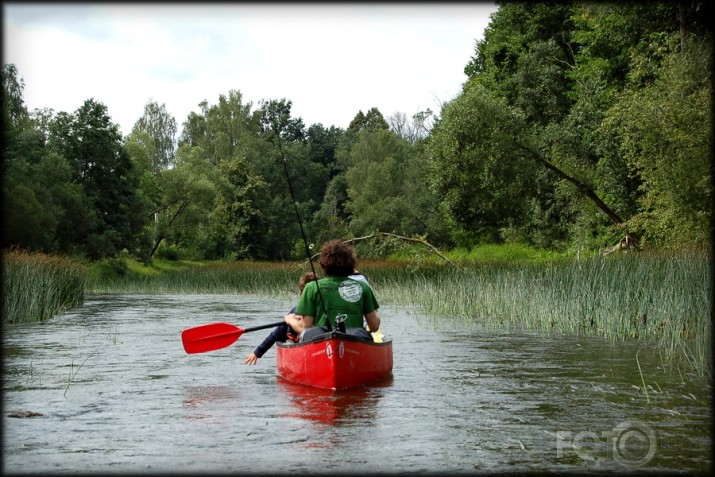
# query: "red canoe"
334 360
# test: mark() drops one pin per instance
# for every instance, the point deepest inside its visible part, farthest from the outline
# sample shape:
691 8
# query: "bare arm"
308 321
298 322
373 320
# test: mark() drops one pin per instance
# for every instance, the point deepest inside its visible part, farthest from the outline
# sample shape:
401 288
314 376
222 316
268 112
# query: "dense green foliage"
579 123
582 121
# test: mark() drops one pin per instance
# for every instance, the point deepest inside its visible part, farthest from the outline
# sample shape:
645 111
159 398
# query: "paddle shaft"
263 327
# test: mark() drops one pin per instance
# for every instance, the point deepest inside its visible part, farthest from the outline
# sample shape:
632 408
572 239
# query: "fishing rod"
300 222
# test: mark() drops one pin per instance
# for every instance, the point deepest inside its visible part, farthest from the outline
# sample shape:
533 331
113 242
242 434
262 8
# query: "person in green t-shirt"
335 296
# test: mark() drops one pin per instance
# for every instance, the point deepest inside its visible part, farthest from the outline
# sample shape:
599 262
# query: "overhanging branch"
401 237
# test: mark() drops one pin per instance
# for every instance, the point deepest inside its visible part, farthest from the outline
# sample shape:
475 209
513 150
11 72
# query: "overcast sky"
330 60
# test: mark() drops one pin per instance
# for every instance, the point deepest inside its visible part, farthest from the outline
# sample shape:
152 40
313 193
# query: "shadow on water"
108 388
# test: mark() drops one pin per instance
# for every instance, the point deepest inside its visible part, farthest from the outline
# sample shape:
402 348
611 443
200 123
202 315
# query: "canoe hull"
334 360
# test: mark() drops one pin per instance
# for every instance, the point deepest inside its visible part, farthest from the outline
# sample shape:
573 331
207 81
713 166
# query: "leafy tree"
665 134
486 163
425 218
513 29
276 118
299 170
188 194
40 202
376 183
243 153
607 35
160 128
331 220
93 147
237 220
388 188
13 104
37 200
220 128
142 151
194 128
15 117
372 121
619 48
322 146
523 61
197 195
541 83
477 170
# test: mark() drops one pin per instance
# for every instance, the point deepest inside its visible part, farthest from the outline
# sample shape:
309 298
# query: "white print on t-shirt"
350 291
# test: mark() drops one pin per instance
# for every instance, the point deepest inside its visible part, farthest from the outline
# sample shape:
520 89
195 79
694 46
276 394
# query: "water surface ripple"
108 388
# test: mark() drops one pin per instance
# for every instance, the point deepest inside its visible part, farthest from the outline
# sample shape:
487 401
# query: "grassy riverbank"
167 277
660 299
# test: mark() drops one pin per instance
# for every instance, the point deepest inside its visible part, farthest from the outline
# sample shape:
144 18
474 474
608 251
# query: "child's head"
304 279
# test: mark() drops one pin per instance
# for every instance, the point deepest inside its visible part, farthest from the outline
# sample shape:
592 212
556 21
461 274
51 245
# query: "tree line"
578 124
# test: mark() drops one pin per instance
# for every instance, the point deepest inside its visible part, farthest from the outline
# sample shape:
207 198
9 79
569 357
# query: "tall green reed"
36 286
660 299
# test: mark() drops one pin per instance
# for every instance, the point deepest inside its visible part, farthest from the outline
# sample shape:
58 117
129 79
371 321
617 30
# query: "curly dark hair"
337 258
305 278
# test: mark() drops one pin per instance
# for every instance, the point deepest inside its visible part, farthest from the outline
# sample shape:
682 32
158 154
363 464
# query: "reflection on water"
108 388
328 407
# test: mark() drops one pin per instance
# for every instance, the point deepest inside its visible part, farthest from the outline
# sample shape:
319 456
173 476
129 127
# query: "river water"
108 388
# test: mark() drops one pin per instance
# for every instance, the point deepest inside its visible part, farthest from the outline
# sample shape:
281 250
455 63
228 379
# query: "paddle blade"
212 336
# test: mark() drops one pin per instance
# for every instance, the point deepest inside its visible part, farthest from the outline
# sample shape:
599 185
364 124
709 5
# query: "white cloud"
330 61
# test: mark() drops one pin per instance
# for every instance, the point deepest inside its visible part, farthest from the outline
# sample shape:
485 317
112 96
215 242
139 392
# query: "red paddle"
215 336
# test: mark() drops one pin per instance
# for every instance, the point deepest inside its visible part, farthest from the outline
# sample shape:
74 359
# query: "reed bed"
663 300
36 286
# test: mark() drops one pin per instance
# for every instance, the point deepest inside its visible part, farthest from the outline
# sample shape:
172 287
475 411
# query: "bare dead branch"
401 237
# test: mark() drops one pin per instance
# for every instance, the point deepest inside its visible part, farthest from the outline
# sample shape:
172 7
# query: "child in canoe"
282 332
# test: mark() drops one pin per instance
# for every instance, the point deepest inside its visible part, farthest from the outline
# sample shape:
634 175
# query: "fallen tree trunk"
630 240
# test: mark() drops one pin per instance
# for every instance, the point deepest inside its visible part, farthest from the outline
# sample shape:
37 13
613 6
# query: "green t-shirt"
342 295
